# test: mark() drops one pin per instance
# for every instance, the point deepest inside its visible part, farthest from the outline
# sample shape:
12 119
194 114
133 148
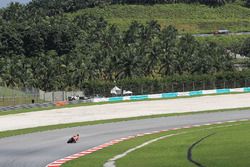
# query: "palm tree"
248 3
150 44
168 44
187 53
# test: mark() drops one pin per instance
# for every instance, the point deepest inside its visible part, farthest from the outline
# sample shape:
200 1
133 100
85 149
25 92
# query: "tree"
61 35
10 40
168 44
33 41
186 54
248 3
111 49
150 47
130 63
14 12
245 48
213 3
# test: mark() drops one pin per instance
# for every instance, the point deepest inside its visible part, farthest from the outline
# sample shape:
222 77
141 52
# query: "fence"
12 97
59 95
15 96
161 87
172 95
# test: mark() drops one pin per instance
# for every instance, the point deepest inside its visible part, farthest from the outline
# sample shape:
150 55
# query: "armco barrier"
172 95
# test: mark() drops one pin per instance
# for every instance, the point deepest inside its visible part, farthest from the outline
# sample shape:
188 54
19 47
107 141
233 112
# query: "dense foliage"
245 48
59 52
55 7
248 3
206 2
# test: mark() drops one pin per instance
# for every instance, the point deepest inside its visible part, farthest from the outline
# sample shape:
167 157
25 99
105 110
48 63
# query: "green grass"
225 40
192 18
229 147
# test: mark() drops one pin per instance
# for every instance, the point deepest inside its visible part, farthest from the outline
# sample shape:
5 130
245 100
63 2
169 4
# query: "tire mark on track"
189 153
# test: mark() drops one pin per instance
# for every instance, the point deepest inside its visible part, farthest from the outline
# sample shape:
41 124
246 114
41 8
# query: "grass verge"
229 147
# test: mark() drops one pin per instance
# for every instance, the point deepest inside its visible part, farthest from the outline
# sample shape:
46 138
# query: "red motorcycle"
74 139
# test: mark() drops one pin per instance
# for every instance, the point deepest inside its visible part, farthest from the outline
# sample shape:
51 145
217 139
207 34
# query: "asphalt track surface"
39 149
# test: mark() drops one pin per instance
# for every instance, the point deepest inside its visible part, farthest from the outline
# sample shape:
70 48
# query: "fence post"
183 87
44 96
53 96
37 97
14 100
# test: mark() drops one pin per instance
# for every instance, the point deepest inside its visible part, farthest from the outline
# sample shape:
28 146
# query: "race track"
39 149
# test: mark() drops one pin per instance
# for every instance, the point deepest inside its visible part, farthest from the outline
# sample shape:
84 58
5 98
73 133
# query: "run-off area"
229 146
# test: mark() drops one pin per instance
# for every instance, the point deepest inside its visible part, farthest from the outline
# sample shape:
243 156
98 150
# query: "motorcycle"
71 140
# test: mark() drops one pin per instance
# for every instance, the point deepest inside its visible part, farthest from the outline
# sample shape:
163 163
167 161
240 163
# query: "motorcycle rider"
74 139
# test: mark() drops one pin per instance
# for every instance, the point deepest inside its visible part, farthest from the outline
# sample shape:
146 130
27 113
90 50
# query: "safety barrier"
130 98
172 95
